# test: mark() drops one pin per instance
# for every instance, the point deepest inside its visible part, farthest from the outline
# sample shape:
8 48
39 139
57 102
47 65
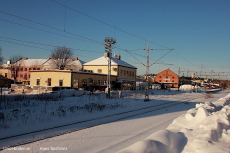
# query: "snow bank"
161 141
203 129
188 87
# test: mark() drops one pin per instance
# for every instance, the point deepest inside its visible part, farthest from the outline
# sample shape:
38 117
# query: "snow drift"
197 131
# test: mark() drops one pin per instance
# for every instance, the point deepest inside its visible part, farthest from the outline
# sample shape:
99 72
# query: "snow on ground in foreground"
204 129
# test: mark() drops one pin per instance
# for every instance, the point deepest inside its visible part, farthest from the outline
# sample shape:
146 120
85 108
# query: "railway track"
26 138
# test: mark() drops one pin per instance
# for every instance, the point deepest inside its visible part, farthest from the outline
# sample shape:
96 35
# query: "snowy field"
194 122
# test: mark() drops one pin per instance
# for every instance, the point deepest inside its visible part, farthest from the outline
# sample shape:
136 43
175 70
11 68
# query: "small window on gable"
99 70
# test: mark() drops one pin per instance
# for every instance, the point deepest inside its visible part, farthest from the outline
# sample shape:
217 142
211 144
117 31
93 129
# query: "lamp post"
108 53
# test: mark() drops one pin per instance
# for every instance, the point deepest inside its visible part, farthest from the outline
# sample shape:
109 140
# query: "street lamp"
108 53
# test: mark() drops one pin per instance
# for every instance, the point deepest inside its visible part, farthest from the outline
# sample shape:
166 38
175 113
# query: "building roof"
71 63
41 62
104 61
33 62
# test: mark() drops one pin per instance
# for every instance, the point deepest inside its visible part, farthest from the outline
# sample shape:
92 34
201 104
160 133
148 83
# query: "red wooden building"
167 77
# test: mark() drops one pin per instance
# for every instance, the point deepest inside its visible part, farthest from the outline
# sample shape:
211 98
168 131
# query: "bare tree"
1 57
61 57
14 66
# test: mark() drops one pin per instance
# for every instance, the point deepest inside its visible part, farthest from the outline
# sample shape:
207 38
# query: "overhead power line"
106 23
45 31
92 40
46 44
50 27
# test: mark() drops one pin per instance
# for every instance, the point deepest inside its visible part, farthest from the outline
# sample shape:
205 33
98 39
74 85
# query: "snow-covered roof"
104 61
72 63
35 62
77 62
40 62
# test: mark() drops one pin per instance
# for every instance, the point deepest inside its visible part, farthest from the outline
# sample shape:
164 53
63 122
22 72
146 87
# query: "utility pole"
108 54
147 73
147 67
179 79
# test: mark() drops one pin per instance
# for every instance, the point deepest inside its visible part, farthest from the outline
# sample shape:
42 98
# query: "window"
76 83
99 70
25 69
21 69
114 69
172 77
133 74
25 76
6 75
60 82
49 82
121 72
124 73
21 76
29 69
38 68
38 82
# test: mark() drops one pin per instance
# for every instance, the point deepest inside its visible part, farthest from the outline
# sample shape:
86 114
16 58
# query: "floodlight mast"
108 54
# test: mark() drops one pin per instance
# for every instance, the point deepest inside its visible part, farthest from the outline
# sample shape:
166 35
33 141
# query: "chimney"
75 58
26 58
118 57
8 62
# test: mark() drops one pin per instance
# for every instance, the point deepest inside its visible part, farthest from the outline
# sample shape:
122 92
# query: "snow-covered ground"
201 125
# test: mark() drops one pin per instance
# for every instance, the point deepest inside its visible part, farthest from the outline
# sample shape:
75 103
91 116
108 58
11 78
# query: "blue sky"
198 30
